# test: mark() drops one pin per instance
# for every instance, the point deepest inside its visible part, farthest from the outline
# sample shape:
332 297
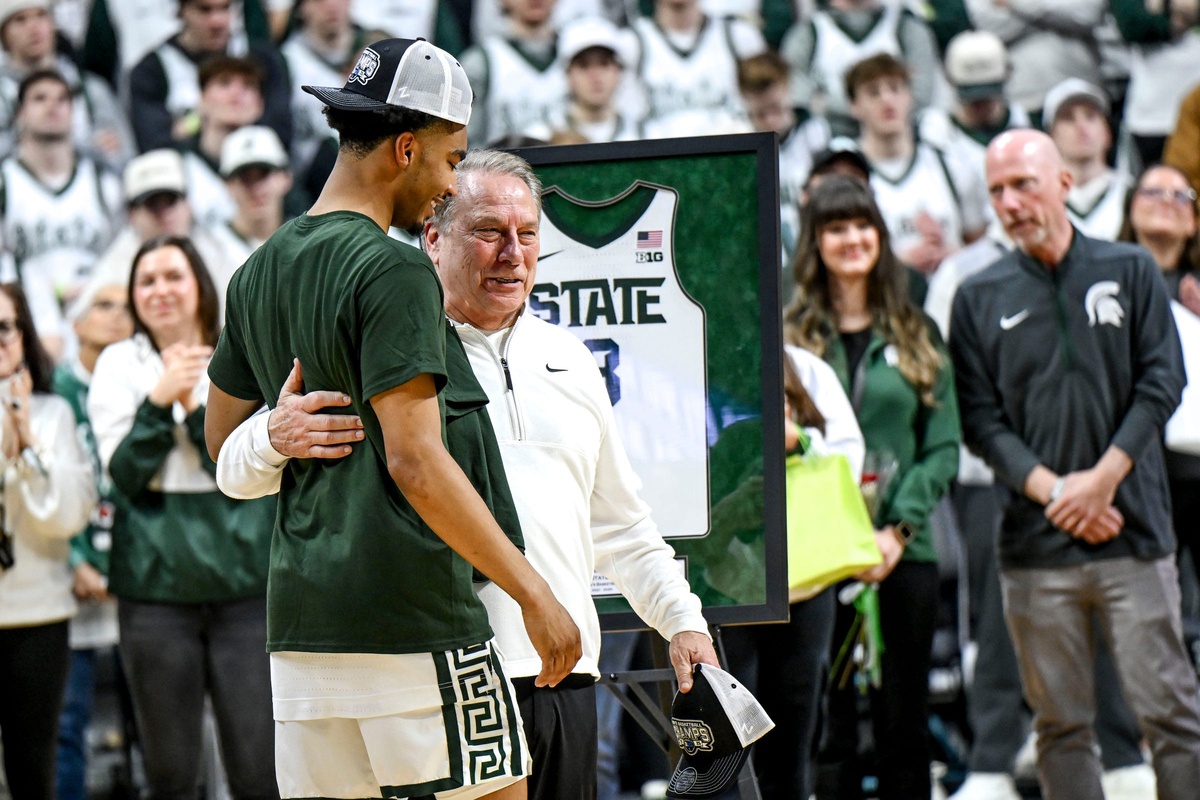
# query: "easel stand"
653 714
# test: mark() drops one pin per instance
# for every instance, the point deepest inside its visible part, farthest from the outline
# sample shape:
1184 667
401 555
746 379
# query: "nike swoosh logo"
547 255
1008 323
555 369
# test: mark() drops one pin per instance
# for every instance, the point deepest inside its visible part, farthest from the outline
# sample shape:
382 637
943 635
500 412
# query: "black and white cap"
715 723
403 73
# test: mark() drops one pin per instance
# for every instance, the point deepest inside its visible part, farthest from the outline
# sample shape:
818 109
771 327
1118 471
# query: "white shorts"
467 745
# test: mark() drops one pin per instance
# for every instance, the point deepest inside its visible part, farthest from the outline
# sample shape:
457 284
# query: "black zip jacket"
1052 367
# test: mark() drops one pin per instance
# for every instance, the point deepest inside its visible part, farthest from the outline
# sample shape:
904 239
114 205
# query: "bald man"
1068 365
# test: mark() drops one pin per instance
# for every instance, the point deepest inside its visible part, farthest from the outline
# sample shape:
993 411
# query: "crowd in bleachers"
135 130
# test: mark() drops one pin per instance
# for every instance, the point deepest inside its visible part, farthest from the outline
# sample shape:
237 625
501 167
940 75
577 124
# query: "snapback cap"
977 65
1072 90
152 173
252 146
403 73
715 724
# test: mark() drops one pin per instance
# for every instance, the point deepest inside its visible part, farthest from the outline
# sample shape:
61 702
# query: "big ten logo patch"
694 736
648 257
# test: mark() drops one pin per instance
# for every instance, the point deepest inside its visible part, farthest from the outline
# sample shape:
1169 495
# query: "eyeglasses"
1181 196
9 331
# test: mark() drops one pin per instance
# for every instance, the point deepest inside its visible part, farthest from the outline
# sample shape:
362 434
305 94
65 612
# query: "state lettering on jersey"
620 294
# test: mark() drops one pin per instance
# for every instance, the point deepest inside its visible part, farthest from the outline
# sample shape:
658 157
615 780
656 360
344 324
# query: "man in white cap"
258 178
1076 117
59 208
384 674
29 39
594 55
977 67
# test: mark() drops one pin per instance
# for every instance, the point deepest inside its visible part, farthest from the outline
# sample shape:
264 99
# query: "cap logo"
694 736
365 69
684 780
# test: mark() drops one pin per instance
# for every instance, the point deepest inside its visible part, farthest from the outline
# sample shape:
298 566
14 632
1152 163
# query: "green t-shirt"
353 567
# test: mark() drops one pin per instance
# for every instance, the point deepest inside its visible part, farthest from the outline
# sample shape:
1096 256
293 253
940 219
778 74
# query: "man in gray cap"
384 674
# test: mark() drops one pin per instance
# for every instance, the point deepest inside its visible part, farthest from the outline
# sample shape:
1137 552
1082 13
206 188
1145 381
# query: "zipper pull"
507 374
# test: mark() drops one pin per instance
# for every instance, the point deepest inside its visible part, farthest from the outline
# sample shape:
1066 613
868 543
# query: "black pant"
560 728
900 707
33 676
785 667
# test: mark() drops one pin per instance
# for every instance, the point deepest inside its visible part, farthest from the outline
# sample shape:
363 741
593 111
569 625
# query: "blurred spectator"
98 320
155 189
230 97
257 177
1183 146
977 68
687 63
60 208
1048 41
823 48
763 83
431 20
1076 117
29 40
319 52
932 205
121 32
516 76
165 87
594 55
48 493
189 565
1165 67
850 308
1162 218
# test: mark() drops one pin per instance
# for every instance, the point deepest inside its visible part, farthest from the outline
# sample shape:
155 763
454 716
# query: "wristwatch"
905 532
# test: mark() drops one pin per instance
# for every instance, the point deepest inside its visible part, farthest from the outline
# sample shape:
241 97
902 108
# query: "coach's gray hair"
490 162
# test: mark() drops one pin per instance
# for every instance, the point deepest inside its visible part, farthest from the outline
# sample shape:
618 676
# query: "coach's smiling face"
486 252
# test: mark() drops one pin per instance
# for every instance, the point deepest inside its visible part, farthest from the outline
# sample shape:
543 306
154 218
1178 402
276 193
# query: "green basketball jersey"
353 567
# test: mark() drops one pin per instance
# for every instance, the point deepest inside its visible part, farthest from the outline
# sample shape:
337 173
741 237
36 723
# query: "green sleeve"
399 339
81 549
935 463
1137 25
229 368
194 423
255 18
100 43
140 454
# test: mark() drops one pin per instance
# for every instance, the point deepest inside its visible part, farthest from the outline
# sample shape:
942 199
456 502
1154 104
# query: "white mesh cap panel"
745 714
432 81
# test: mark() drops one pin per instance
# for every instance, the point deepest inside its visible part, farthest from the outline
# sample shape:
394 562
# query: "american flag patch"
649 239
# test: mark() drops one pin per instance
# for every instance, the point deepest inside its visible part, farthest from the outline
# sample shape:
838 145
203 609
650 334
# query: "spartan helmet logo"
693 735
365 69
1101 304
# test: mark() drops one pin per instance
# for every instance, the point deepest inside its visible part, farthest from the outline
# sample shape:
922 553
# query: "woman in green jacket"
851 308
188 564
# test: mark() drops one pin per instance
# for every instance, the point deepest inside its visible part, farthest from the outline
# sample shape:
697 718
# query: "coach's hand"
297 429
554 634
688 649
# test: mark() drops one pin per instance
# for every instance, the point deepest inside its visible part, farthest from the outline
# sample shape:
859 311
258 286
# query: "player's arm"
437 489
224 413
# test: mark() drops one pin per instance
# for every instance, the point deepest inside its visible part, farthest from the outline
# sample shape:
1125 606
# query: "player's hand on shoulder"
298 428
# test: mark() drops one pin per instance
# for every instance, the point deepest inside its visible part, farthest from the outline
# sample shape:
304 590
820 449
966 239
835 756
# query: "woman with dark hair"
188 564
47 493
1162 217
851 308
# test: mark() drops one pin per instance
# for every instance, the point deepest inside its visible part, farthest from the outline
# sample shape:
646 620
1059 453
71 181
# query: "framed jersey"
662 257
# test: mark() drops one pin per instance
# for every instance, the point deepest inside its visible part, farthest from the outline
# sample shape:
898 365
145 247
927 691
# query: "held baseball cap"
977 65
715 723
588 33
153 173
403 73
252 146
1072 90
